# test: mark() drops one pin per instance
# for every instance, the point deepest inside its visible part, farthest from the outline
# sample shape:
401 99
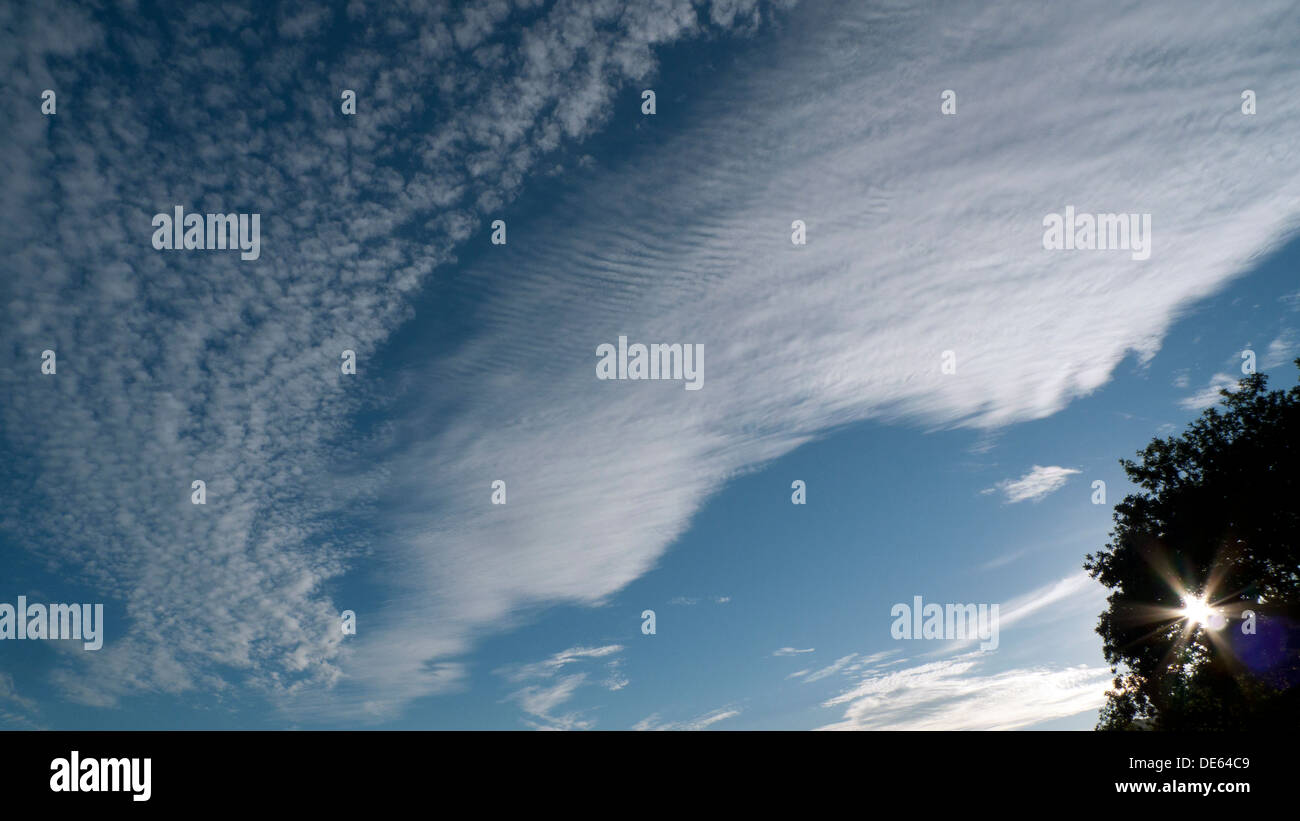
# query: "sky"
476 362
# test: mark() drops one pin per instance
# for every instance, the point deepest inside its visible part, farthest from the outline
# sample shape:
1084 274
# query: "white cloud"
1005 558
1281 350
1076 595
954 695
26 707
616 681
1209 395
653 722
830 669
551 689
958 694
687 601
1067 595
1034 485
847 665
556 662
538 701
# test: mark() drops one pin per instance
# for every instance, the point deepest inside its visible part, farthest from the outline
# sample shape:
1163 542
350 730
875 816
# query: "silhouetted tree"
1217 516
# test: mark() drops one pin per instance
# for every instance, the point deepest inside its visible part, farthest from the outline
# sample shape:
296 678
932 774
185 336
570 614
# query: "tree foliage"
1217 514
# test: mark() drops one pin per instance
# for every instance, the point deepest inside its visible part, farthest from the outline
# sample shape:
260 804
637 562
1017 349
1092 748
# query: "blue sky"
371 492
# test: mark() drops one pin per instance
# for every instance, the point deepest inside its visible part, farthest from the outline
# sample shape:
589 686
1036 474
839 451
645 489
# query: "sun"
1196 610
